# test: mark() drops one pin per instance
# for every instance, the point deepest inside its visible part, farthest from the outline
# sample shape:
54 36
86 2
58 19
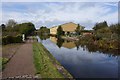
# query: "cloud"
54 13
60 0
110 18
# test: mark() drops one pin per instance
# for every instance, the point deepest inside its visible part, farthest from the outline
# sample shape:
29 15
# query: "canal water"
81 61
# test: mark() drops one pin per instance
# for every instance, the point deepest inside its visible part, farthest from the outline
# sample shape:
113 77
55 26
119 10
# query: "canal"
82 61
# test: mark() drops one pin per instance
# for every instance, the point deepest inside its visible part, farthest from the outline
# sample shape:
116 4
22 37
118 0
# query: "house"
67 28
53 30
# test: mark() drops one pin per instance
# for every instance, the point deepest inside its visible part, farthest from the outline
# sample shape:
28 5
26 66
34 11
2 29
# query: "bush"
17 39
3 61
11 39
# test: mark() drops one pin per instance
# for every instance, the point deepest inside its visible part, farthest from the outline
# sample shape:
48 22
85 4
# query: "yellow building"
53 30
67 27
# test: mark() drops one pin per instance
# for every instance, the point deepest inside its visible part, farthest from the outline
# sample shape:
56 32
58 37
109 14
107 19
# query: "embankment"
46 65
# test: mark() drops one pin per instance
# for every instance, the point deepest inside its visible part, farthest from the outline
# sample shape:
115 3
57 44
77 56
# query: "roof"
68 26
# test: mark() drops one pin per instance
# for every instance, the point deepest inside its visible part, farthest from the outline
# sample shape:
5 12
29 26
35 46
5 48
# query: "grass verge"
3 61
46 65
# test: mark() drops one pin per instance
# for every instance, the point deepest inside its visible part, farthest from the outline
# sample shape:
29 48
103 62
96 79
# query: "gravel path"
22 62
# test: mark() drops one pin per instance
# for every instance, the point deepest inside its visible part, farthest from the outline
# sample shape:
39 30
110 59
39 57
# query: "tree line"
12 31
100 30
103 31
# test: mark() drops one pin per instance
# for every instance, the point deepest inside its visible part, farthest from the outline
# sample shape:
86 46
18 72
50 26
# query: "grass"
3 61
45 63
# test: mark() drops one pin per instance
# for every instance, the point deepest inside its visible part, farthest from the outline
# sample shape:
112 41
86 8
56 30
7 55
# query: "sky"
55 13
59 0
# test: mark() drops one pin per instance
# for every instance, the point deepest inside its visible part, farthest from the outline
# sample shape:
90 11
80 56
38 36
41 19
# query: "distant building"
53 30
87 33
67 27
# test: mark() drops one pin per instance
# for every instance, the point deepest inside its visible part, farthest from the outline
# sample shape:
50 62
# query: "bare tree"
11 23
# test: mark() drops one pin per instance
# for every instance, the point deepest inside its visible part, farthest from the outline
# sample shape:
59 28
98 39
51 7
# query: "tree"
60 31
102 31
3 26
26 28
82 27
100 25
44 30
115 28
43 37
11 23
78 29
60 41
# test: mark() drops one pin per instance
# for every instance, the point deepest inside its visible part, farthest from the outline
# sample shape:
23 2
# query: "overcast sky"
54 13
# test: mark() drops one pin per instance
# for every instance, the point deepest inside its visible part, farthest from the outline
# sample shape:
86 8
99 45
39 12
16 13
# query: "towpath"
21 63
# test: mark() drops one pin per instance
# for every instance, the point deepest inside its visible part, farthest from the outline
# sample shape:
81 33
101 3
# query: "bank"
46 65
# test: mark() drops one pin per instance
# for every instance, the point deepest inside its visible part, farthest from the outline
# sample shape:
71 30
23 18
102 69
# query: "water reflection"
83 60
91 47
63 43
44 36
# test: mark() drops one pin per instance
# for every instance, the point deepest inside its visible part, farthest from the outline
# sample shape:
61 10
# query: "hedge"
11 39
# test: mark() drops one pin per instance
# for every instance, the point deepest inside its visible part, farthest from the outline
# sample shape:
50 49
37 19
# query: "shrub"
11 39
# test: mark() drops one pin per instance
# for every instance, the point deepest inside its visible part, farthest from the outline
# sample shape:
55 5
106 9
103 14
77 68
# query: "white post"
23 37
